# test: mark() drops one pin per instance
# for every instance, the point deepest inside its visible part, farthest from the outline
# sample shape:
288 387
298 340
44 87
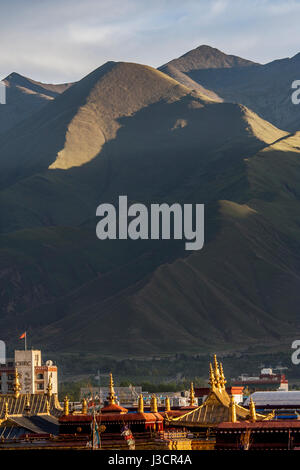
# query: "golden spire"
223 381
111 395
16 384
167 404
252 411
141 404
153 404
192 395
232 410
212 380
216 371
49 386
84 407
66 406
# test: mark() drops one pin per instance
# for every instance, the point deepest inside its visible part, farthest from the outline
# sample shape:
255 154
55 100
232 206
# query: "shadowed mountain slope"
130 129
25 96
266 89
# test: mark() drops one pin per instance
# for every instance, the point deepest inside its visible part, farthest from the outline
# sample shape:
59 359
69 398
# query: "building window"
40 386
40 377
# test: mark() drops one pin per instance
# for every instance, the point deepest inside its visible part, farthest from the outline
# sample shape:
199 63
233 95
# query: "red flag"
23 336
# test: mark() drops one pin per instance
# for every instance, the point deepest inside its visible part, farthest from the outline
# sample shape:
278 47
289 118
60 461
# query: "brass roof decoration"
252 411
167 404
26 404
16 384
153 404
218 407
192 395
216 371
141 404
84 409
212 380
111 395
223 381
66 406
49 386
232 410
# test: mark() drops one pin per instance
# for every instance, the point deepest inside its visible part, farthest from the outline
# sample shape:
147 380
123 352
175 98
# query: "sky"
63 40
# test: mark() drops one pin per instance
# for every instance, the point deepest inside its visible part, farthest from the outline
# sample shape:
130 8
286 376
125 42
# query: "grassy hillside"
266 89
130 129
25 96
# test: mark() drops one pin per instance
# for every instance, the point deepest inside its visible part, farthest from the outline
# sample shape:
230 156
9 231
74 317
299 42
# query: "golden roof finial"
252 410
111 395
84 407
223 381
232 410
16 384
141 404
153 404
167 404
49 386
212 380
216 368
66 406
192 395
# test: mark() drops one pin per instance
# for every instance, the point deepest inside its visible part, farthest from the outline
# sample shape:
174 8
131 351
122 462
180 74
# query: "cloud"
64 40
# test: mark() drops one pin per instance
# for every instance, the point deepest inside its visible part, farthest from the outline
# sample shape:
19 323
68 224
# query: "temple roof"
275 424
16 426
28 405
113 417
217 407
113 408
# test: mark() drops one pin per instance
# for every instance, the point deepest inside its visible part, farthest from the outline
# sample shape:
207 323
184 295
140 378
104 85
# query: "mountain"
128 129
23 97
185 80
266 89
206 57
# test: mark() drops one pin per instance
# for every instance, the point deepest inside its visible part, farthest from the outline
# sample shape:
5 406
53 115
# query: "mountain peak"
207 57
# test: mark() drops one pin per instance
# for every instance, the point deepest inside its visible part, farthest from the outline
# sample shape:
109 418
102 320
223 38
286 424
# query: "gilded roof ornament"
16 384
111 395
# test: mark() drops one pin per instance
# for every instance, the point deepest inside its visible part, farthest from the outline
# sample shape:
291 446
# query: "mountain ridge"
266 89
130 129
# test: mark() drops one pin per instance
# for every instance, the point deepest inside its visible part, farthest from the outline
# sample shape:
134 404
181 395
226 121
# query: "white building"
33 374
276 399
